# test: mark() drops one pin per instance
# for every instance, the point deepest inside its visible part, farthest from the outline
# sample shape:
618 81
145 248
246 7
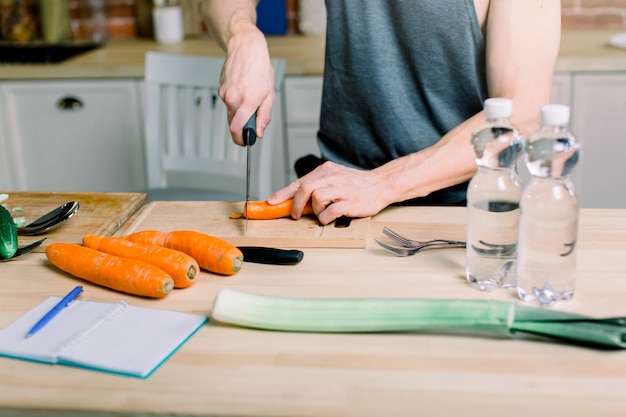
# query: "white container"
312 17
168 24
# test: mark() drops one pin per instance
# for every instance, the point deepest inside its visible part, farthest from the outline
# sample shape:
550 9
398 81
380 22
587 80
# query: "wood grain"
99 213
212 217
229 371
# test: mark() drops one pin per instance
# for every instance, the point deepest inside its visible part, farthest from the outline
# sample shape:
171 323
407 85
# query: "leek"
350 315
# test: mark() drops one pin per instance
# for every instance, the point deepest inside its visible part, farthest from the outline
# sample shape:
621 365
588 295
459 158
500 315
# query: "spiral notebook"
109 337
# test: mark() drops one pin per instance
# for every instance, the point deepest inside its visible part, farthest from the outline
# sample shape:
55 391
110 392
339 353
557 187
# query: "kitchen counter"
231 371
581 50
125 58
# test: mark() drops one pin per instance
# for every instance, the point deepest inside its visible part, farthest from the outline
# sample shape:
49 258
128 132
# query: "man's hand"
247 83
335 191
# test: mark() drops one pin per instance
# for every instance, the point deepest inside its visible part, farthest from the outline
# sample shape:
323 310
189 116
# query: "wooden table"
98 213
230 371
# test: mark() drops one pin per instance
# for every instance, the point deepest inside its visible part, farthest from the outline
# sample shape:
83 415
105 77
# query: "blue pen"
55 310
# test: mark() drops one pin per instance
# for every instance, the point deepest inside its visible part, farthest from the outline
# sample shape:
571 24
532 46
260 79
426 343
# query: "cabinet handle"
69 103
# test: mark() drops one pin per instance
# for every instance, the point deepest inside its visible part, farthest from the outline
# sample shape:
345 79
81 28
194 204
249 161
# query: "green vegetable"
8 234
349 315
19 221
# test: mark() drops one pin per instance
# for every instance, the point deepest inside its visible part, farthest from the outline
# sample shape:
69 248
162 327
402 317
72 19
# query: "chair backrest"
186 125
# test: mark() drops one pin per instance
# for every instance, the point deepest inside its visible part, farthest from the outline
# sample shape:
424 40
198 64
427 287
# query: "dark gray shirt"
399 74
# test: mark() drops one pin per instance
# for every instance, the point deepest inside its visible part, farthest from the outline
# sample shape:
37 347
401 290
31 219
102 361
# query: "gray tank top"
399 74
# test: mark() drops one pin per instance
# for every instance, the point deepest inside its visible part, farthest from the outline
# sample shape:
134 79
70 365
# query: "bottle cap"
498 108
555 114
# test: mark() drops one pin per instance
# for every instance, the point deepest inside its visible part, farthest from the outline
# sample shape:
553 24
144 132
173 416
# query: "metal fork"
409 251
410 243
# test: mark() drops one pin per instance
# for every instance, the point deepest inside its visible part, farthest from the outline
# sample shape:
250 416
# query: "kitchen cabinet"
73 135
302 97
598 114
561 89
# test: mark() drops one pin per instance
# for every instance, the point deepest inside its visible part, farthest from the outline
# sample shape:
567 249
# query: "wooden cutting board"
212 217
99 213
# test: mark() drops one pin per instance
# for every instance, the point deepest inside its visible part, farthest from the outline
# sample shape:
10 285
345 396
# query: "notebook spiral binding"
117 310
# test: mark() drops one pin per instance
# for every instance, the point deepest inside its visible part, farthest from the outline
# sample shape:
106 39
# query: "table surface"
98 213
230 371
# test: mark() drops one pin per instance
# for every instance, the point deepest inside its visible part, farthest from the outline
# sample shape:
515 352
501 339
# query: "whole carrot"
211 253
262 210
126 275
181 267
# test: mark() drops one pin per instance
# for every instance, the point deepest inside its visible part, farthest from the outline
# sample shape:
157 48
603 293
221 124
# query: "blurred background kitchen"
90 98
95 20
87 20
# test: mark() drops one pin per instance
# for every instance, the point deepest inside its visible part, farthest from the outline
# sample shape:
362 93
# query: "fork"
410 243
409 251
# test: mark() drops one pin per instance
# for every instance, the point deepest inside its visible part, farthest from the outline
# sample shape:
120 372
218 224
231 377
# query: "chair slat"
171 121
187 112
186 125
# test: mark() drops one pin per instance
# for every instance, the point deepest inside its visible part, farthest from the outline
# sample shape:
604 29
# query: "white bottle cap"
555 114
498 108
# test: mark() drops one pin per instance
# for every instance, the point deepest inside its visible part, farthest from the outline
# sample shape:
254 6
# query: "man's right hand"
247 83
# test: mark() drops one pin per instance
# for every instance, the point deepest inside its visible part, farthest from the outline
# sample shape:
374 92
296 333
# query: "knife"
249 138
272 256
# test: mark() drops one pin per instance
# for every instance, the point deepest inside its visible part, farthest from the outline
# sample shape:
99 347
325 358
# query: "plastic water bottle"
493 199
549 212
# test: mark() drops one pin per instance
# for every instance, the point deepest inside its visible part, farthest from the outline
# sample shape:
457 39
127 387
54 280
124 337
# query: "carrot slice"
262 210
126 275
212 254
181 267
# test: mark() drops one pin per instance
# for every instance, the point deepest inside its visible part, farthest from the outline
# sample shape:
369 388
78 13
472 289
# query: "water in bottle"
549 212
493 200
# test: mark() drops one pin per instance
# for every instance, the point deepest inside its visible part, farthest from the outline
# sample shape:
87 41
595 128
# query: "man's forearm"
225 19
448 162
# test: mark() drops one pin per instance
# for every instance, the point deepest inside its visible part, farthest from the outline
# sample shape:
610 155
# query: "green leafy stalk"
350 315
570 327
358 314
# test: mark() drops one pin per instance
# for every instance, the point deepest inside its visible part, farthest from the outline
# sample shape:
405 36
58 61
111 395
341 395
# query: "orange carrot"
262 210
121 274
211 253
180 266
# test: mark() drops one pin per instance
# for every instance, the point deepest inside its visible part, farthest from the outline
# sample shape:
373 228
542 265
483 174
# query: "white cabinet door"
599 122
561 89
303 99
72 135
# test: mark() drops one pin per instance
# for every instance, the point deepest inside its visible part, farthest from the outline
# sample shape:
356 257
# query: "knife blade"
249 138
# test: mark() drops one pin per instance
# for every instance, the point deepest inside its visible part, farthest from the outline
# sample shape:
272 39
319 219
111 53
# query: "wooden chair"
188 148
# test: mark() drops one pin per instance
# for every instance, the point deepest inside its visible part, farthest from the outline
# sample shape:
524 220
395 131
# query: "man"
404 84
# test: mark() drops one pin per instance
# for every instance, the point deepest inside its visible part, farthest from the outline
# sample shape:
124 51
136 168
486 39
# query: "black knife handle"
249 131
271 256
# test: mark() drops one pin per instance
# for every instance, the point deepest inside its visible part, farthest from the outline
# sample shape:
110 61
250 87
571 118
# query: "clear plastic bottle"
549 212
493 200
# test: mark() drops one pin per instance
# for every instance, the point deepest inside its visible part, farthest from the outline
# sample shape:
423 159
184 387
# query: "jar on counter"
55 20
88 20
18 20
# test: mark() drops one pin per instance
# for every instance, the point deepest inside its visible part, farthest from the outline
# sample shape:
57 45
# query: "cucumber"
8 234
